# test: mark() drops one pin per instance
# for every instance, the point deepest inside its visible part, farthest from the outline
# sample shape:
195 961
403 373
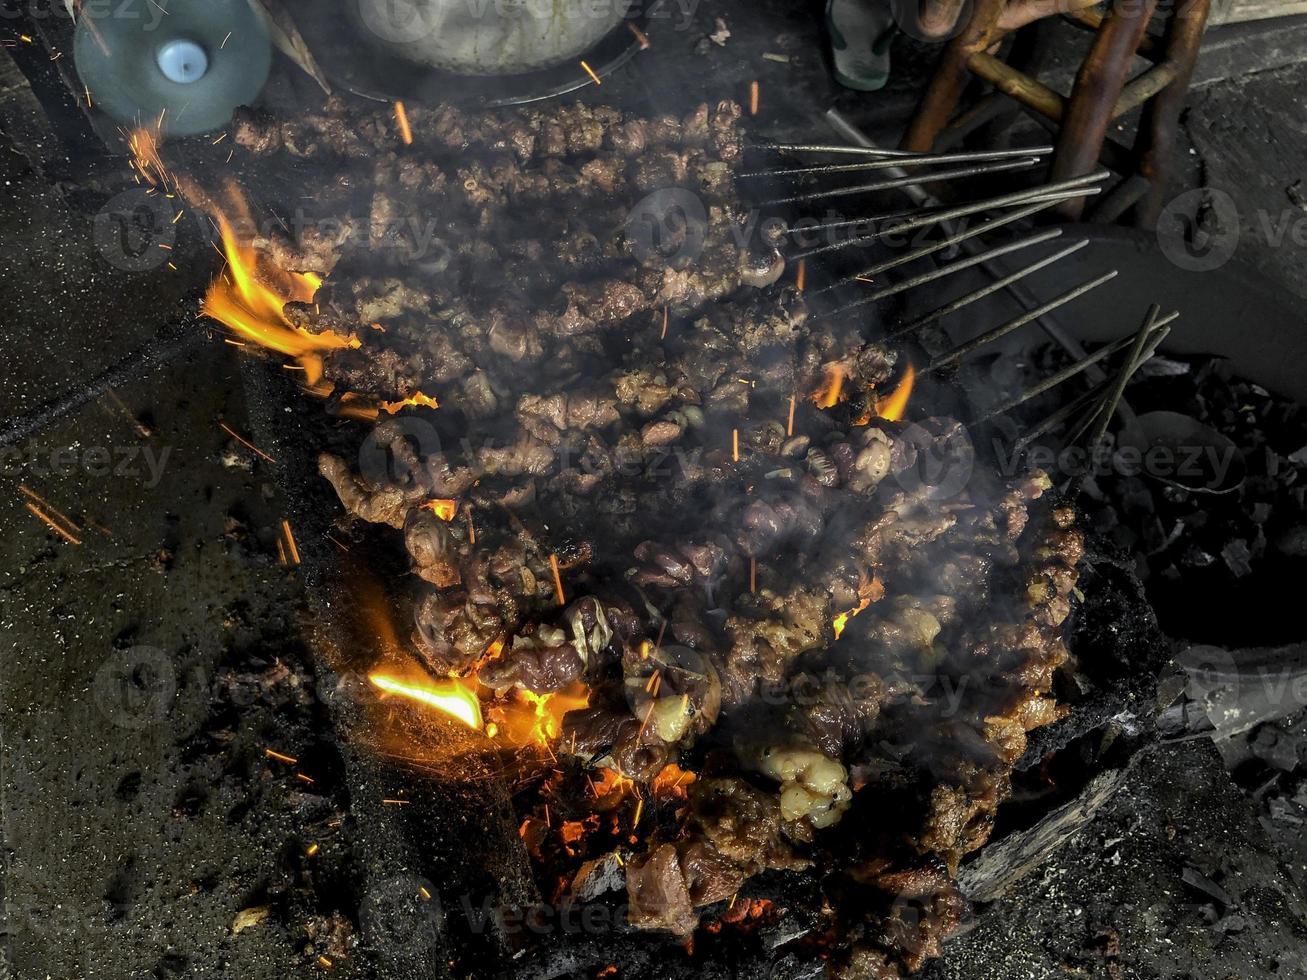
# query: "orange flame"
842 620
415 400
610 782
893 405
444 509
453 697
537 719
249 296
829 395
869 590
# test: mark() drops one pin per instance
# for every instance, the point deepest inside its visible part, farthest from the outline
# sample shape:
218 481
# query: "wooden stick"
558 580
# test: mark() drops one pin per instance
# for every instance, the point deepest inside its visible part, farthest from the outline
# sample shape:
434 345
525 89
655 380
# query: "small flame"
869 590
446 511
537 719
893 405
453 697
842 620
249 296
829 395
415 400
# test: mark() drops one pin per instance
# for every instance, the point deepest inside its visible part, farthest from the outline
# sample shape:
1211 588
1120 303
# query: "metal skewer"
978 294
1077 187
1108 408
989 336
1071 370
1063 414
1071 410
947 270
841 149
948 242
887 185
919 160
1095 393
852 135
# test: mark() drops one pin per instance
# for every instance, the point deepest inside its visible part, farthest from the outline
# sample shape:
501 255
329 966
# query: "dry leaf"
247 918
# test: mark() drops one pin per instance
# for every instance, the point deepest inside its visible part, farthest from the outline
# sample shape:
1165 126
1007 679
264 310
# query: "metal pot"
488 37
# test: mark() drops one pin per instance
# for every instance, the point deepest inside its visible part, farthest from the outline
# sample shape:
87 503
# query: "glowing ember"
445 510
610 783
453 697
893 405
558 580
829 395
641 36
672 781
249 297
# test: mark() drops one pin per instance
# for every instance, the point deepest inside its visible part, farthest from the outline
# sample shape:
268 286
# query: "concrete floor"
136 823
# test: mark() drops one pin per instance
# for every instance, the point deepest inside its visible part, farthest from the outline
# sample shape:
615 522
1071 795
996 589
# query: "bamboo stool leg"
1156 140
1093 99
951 76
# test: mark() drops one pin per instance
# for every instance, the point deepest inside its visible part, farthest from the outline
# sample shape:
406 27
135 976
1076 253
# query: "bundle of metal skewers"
947 231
